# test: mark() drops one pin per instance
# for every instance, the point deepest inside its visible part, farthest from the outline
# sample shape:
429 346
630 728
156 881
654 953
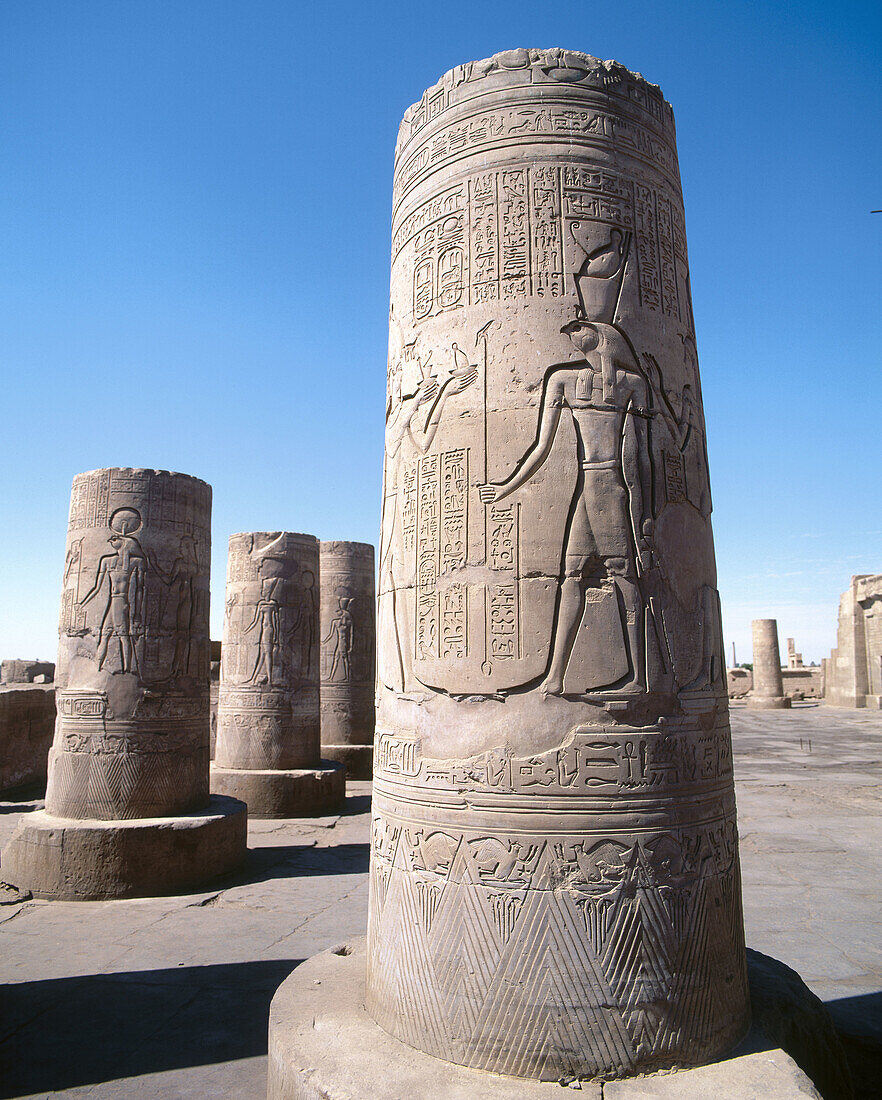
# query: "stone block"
80 860
27 724
308 792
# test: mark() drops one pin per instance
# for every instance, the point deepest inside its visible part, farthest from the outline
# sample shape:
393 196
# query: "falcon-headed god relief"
606 539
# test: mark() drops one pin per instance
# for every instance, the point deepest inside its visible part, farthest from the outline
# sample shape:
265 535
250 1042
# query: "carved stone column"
768 683
131 737
348 643
554 881
267 750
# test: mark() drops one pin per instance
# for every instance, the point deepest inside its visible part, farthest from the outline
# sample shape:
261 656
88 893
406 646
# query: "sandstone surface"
132 729
268 727
348 655
555 880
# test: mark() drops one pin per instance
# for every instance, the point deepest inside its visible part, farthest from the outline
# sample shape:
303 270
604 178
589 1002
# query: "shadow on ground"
296 860
70 1032
859 1023
356 804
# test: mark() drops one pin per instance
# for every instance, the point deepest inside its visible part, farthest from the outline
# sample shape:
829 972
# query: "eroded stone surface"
348 632
26 672
131 739
27 724
554 814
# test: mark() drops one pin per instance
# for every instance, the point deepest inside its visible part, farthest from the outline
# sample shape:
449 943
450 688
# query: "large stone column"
768 683
127 801
348 633
267 750
554 880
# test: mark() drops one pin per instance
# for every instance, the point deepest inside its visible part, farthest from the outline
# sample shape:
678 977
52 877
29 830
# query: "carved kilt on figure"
554 880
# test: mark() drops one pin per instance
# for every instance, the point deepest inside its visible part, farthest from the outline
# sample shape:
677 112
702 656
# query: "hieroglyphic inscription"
454 621
597 194
667 263
441 523
454 504
90 501
675 477
546 239
397 755
595 127
503 235
514 232
594 762
408 507
427 556
504 604
484 238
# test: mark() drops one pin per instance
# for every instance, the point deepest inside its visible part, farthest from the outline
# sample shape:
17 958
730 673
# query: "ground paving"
167 998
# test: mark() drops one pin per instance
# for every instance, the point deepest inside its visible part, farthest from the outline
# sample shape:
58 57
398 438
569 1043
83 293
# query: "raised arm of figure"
553 400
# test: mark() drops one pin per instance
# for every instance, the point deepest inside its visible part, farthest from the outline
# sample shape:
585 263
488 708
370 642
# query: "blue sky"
194 246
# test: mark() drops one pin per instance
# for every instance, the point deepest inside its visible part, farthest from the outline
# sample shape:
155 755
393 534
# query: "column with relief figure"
553 759
554 888
127 803
268 751
348 633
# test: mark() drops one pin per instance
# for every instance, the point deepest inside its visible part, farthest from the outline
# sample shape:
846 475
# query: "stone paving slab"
167 998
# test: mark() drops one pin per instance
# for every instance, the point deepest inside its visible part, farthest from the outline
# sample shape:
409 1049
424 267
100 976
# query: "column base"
307 792
63 859
358 759
323 1043
768 702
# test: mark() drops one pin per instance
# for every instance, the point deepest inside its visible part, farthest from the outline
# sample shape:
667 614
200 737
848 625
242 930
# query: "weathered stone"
788 1015
26 672
348 632
553 759
854 669
803 682
27 723
768 686
739 681
131 736
268 726
95 860
323 1044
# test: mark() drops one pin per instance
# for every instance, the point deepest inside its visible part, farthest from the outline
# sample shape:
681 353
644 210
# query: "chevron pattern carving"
549 975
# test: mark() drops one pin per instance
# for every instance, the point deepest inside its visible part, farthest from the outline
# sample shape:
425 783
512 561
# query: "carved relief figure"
410 431
124 570
181 580
266 621
599 278
340 635
606 541
306 616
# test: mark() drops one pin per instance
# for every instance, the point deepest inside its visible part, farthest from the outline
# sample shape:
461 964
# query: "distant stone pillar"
348 637
131 738
768 683
267 751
